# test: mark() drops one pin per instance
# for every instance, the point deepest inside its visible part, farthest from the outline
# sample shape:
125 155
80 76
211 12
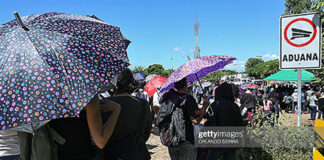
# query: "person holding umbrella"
52 70
179 110
188 114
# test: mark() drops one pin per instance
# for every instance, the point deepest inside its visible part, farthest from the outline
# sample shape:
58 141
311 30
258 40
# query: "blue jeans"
16 157
195 95
312 112
267 117
303 107
319 114
267 114
294 105
217 153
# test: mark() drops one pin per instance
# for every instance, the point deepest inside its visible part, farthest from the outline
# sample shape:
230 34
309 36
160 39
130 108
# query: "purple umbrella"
139 76
196 69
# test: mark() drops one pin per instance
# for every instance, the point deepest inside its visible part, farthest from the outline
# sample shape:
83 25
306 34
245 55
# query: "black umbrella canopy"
52 65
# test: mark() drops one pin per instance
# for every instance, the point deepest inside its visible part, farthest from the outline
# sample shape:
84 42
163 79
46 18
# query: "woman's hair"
235 89
180 84
126 82
313 93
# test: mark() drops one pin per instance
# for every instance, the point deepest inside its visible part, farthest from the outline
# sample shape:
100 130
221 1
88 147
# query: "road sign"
300 41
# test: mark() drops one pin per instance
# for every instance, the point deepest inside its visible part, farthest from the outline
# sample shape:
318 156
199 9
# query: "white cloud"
182 50
176 49
269 56
238 66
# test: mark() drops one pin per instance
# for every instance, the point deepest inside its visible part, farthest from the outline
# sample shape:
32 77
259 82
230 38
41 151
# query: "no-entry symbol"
300 41
300 33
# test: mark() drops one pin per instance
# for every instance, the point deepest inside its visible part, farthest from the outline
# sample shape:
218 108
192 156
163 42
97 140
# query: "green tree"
305 6
318 6
269 67
298 6
138 69
250 66
251 62
260 69
217 75
154 69
167 73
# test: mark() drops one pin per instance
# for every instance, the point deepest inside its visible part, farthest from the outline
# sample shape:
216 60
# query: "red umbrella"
251 86
150 87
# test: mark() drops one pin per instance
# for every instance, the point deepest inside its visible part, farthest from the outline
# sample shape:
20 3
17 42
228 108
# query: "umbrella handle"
20 21
198 81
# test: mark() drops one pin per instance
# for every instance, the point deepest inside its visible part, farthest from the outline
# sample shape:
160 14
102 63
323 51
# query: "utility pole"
171 62
196 50
188 57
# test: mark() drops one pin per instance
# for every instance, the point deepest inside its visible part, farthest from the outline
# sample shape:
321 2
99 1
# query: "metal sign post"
300 46
299 98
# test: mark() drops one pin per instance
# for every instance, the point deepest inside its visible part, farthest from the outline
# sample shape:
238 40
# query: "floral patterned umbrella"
51 65
196 69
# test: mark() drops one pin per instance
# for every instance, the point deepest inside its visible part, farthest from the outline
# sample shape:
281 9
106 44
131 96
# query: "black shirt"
320 103
128 120
75 131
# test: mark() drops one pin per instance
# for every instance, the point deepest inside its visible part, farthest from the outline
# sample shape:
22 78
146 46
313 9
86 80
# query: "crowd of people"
117 124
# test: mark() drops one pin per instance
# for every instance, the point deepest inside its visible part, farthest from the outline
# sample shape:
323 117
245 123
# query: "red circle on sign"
303 44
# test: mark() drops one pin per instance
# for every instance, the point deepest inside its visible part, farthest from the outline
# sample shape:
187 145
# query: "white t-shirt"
9 143
142 95
156 99
312 100
199 90
295 96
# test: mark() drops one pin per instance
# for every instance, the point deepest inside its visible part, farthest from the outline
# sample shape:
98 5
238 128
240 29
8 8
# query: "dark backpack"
171 121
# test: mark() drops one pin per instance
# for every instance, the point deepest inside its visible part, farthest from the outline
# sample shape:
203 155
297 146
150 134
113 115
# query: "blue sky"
161 28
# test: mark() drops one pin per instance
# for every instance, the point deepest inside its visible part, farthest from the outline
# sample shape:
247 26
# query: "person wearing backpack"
178 112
